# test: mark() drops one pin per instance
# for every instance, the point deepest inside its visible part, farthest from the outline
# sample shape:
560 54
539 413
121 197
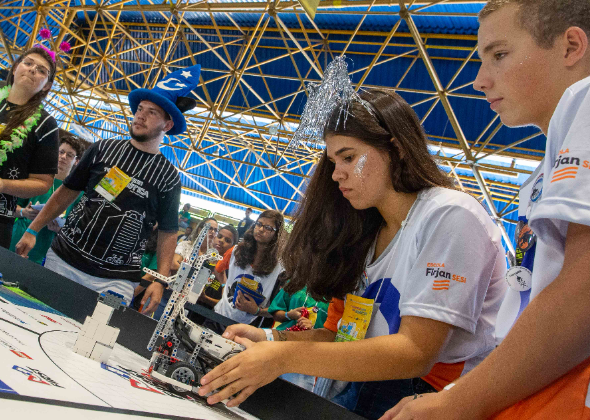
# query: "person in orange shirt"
226 239
536 71
381 230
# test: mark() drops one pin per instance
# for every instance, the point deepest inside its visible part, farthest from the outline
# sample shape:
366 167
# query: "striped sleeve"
169 187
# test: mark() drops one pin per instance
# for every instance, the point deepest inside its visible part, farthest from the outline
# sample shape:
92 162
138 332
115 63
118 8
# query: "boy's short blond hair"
545 20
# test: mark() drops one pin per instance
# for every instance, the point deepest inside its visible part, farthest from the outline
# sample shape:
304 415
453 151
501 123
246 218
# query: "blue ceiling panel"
226 179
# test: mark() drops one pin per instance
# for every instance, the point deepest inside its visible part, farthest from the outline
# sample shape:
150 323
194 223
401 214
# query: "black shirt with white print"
107 239
37 155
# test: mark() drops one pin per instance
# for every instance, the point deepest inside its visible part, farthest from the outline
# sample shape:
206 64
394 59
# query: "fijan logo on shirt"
567 167
442 278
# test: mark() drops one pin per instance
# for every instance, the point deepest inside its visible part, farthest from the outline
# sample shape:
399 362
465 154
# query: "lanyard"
316 305
140 169
399 238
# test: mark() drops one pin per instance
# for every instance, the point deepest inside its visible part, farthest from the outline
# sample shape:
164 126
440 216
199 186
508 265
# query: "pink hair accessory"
51 53
65 47
45 33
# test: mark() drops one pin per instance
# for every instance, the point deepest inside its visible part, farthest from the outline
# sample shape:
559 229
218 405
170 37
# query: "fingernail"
204 381
225 334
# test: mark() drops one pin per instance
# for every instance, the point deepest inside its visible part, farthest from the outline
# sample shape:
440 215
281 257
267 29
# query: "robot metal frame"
188 350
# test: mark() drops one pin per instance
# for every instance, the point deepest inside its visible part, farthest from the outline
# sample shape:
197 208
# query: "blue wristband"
32 232
287 316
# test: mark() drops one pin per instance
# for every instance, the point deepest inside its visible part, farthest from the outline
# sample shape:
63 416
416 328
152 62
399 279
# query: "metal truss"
248 103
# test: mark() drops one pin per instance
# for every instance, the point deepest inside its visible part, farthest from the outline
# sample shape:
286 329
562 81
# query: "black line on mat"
82 406
44 352
20 326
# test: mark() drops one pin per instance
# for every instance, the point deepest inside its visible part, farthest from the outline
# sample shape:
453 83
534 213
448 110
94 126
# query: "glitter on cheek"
360 165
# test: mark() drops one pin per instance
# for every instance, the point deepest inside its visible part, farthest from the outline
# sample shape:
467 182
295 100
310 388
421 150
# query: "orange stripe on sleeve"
563 177
572 172
335 311
569 168
443 374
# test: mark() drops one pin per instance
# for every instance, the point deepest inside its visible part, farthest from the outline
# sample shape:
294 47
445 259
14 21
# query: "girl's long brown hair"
245 251
19 114
330 240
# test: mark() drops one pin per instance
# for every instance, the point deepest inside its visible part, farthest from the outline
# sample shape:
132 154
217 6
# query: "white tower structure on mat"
97 338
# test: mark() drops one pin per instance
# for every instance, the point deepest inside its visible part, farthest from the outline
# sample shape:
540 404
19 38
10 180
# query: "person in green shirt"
149 260
287 309
71 149
184 217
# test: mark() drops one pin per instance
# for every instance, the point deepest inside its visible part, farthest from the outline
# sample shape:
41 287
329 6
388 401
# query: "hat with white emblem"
169 94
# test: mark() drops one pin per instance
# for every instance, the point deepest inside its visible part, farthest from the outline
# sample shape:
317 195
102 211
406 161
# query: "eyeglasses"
69 155
268 228
43 71
212 229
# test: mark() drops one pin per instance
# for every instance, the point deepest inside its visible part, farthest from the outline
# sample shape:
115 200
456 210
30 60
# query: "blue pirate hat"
169 94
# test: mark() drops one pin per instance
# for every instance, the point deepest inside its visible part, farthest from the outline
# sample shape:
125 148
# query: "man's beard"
143 138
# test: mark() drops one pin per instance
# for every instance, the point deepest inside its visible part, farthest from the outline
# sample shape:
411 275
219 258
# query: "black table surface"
278 400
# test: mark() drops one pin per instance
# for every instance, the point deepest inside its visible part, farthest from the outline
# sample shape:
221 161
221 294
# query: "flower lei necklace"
20 133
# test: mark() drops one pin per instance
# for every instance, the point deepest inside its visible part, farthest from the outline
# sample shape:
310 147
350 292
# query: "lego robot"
187 351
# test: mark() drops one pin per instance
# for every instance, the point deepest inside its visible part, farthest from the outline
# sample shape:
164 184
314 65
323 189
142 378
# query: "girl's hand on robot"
260 364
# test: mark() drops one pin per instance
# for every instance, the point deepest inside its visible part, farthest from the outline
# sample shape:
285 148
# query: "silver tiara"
334 92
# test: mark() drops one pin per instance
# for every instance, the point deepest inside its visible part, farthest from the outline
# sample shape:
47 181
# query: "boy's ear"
575 42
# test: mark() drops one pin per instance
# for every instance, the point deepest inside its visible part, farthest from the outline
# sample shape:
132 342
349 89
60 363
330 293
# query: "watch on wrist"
144 283
162 282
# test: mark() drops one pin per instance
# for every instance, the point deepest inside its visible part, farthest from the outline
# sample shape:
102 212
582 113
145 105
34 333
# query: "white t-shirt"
565 194
514 301
447 264
265 286
184 249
